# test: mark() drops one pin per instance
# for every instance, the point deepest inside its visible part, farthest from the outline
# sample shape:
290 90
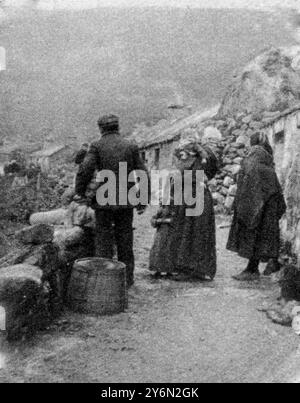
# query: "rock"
36 234
271 114
267 121
267 83
296 324
212 133
237 133
238 160
64 237
232 190
279 317
240 116
237 145
18 279
16 256
228 181
23 297
213 182
55 217
247 119
219 209
290 308
229 203
232 155
256 125
222 175
227 161
257 116
50 357
226 149
243 139
249 133
227 168
232 169
242 153
284 314
213 185
224 191
218 198
235 169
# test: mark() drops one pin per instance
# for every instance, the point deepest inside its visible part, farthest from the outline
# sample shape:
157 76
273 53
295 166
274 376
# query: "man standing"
114 223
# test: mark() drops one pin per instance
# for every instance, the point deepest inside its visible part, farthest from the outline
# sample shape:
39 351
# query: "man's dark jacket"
106 154
80 156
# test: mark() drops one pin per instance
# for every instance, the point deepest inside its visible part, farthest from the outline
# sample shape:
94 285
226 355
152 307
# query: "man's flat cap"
105 122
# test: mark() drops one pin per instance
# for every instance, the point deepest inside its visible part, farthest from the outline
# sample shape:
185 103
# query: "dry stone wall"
34 276
283 131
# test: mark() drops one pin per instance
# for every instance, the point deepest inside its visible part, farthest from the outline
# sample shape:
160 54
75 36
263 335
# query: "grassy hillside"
66 68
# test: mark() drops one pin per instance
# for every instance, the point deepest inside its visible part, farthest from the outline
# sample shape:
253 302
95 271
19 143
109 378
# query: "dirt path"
172 332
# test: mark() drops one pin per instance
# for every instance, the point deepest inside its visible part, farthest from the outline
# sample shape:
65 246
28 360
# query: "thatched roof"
156 135
50 151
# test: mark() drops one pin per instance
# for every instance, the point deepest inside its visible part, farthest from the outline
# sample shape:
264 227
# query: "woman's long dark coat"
258 208
188 244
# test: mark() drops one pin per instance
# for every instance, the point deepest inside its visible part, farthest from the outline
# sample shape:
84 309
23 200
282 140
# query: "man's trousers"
114 228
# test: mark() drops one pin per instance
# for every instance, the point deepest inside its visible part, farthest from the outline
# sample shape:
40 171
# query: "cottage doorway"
157 158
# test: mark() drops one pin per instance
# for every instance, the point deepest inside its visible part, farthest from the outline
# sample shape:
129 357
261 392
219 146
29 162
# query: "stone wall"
284 136
34 277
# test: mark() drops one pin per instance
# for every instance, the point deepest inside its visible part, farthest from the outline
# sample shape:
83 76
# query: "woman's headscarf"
190 147
261 139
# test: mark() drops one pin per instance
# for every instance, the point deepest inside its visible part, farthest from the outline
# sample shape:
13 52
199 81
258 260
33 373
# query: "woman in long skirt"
186 245
259 206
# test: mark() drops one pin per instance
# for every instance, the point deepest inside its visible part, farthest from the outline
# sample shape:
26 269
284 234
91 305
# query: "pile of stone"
224 185
236 133
285 310
34 277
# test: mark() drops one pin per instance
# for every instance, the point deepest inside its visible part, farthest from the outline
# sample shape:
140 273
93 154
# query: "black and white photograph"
149 194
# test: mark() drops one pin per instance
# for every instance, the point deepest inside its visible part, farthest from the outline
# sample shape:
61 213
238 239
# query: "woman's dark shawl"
257 183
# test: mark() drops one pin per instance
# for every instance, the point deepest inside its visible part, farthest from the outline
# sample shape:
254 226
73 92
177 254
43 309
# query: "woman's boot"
251 273
273 266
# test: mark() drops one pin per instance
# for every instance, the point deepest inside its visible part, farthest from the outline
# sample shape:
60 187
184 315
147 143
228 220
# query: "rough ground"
172 332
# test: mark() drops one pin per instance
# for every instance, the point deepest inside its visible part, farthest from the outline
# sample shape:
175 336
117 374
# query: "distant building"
6 151
49 157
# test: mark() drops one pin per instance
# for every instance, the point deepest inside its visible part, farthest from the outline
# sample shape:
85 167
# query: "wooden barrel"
98 286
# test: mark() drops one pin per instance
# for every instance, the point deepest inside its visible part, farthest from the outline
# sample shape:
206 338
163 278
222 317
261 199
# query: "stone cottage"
283 130
49 157
157 146
284 135
7 152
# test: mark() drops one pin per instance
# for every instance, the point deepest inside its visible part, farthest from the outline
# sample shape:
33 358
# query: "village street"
172 332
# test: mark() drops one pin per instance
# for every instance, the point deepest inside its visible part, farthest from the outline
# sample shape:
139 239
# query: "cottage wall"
60 156
284 136
160 156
